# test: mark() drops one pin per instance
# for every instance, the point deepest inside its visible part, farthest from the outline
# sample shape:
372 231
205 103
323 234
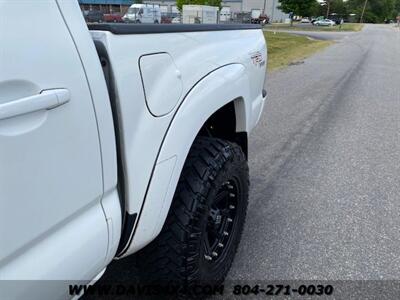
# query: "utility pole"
273 11
363 11
328 8
265 6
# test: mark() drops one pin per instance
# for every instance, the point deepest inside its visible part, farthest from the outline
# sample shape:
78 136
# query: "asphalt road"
325 167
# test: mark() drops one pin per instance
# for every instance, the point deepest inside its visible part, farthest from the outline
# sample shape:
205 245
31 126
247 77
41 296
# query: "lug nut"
231 206
230 186
232 195
229 220
215 254
225 233
220 245
207 257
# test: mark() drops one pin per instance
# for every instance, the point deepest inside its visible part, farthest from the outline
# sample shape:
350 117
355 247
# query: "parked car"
176 20
313 20
94 16
264 19
166 18
113 18
335 18
143 13
112 145
325 22
305 20
257 17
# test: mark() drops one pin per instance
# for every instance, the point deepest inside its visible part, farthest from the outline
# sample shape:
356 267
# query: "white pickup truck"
121 139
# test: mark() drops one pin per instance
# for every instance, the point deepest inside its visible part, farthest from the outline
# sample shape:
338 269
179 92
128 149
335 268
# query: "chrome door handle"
47 99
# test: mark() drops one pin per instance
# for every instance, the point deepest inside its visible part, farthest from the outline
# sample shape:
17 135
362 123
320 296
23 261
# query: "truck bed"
152 70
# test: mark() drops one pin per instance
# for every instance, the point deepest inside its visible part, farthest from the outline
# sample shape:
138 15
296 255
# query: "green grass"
344 27
284 48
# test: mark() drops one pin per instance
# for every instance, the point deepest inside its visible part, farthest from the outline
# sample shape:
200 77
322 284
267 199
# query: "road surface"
325 168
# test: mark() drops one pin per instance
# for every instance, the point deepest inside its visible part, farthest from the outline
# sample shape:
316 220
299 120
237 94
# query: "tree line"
371 11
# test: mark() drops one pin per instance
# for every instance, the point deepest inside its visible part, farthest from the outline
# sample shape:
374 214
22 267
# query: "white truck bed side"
195 56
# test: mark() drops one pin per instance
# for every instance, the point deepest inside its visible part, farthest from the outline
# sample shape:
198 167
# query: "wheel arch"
228 123
208 109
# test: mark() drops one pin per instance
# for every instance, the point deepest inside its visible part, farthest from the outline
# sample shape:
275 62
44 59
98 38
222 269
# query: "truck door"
51 222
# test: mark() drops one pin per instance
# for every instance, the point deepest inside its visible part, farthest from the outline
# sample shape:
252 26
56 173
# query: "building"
107 6
234 5
270 7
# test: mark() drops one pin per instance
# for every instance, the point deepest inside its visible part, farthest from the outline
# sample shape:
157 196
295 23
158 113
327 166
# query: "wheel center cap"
216 216
218 219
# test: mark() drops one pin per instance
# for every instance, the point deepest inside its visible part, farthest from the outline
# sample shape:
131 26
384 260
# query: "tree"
327 4
396 8
298 7
376 11
337 7
180 3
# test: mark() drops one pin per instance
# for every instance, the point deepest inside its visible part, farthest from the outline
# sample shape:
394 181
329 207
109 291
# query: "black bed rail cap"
165 28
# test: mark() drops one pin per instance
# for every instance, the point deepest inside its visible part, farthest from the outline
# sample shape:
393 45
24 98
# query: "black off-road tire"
179 255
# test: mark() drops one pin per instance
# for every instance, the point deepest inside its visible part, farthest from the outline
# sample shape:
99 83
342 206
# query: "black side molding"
127 233
128 220
168 28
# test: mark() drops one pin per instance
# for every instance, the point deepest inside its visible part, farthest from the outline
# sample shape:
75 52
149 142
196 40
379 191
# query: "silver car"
325 22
